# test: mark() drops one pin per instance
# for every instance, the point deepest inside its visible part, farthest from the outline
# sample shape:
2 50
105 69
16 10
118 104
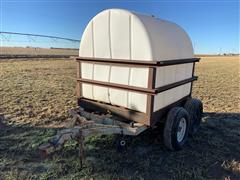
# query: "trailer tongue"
90 124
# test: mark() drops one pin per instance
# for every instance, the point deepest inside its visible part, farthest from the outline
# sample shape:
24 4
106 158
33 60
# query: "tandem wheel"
194 107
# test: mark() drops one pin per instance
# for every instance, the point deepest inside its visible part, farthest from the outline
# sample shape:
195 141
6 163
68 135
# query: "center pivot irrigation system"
5 35
36 42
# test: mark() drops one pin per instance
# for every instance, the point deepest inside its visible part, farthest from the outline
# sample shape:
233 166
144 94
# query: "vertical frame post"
79 84
150 98
193 69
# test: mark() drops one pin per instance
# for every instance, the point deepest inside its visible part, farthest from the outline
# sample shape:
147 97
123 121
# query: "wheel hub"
181 129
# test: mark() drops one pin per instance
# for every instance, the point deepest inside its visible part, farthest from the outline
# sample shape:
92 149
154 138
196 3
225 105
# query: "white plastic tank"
121 34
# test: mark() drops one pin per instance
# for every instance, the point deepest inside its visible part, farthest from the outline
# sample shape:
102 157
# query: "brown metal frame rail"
138 62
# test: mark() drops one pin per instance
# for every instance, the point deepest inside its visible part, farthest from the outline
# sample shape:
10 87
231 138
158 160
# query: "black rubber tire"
194 108
171 128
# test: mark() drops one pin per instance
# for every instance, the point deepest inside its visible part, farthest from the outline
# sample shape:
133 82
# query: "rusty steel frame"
127 121
149 118
90 124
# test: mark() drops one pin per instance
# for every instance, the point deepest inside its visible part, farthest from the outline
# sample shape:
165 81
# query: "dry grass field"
35 98
36 51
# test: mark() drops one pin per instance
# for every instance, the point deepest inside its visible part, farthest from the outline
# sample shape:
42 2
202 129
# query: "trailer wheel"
176 128
195 109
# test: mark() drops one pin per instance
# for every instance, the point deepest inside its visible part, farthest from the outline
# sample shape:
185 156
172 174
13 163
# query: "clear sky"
212 25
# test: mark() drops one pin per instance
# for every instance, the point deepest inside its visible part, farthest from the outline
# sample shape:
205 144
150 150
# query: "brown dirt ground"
36 96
